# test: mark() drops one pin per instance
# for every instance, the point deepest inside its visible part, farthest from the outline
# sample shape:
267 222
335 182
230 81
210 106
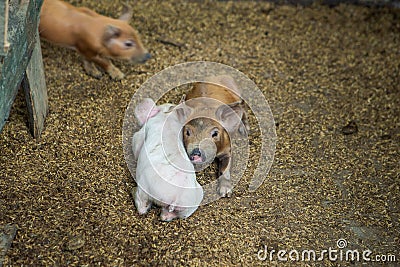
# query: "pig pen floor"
320 68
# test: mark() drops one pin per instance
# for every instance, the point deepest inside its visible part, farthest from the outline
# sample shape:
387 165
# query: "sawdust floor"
319 67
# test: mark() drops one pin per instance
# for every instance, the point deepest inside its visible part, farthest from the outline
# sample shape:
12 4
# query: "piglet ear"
146 110
230 116
110 32
127 13
183 111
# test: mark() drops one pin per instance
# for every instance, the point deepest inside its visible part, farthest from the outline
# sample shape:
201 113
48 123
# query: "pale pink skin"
197 159
164 173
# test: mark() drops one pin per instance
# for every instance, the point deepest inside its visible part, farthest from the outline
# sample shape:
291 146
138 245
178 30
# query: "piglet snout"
197 156
142 58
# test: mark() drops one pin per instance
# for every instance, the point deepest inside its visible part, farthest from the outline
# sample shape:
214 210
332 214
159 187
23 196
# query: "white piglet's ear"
230 116
146 110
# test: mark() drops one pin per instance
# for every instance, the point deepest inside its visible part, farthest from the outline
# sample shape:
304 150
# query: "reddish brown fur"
222 141
214 91
205 100
95 36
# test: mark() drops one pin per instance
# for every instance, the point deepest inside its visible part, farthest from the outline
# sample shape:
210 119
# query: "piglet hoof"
142 206
92 70
95 73
224 187
143 209
167 216
116 74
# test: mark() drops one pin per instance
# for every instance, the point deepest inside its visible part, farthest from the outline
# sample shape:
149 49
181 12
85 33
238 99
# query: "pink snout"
197 156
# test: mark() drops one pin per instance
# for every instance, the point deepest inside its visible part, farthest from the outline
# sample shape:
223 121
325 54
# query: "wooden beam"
22 34
34 85
4 44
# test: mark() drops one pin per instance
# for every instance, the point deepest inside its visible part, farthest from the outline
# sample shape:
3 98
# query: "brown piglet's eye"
129 43
188 132
214 133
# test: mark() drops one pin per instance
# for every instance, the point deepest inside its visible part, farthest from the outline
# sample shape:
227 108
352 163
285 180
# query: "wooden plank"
7 235
34 85
4 45
22 29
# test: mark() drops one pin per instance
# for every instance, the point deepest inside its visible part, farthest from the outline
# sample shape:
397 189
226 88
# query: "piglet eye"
214 133
188 132
129 43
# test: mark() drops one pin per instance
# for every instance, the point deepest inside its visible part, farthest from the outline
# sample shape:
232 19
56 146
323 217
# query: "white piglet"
164 174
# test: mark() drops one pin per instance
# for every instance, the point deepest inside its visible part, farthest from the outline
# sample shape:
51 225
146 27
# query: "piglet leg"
142 201
90 64
167 215
244 128
224 180
91 69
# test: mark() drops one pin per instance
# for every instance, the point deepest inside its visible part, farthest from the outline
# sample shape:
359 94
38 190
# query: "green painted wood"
3 28
22 35
34 85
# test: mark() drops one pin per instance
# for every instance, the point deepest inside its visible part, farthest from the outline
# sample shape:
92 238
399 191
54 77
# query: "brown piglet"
215 111
97 38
